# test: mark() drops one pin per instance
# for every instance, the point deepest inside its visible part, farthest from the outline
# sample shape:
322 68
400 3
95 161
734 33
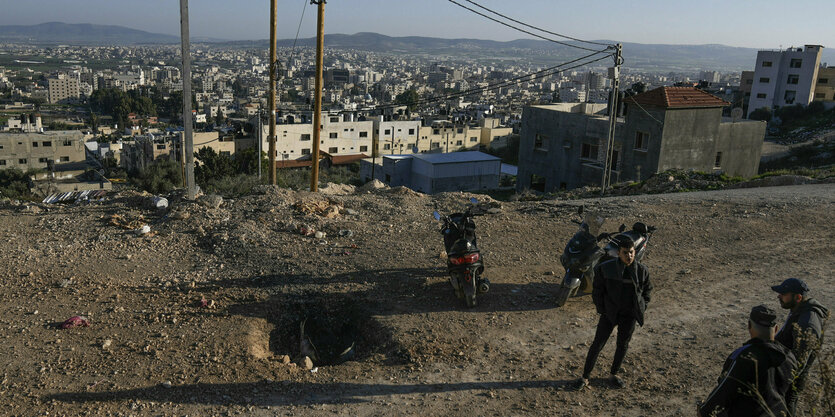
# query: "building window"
387 132
21 161
435 145
47 143
795 63
306 151
540 142
718 162
363 134
765 80
2 162
789 96
793 79
363 148
161 147
459 142
749 82
641 140
386 146
43 160
411 132
766 63
334 120
332 135
65 159
823 80
305 136
820 95
34 144
436 131
333 150
761 95
460 130
589 151
474 139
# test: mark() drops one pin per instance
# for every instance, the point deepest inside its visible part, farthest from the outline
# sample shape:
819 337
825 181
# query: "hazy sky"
751 23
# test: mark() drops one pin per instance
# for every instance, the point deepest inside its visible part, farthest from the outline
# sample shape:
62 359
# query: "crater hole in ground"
331 329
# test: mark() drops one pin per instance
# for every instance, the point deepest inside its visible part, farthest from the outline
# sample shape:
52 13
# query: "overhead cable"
608 47
534 27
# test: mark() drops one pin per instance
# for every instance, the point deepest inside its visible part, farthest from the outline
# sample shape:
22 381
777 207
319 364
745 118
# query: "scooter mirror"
436 215
622 228
473 200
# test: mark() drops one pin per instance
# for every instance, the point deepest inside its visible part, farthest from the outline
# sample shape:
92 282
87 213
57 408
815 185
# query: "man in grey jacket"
802 330
621 293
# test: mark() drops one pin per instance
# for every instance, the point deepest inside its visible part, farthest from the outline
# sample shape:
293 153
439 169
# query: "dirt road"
151 349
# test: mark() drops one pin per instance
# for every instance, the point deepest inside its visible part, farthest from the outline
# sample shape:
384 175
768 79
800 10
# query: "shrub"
160 177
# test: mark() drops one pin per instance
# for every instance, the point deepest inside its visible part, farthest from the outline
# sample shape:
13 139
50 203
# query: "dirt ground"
152 349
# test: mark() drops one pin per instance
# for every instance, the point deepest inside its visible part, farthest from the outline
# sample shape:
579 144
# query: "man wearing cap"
803 325
755 376
621 293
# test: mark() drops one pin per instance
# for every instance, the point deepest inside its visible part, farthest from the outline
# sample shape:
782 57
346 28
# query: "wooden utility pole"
614 74
317 108
188 144
271 104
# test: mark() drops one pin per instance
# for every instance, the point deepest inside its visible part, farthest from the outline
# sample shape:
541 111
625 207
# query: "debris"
211 201
320 235
305 230
118 220
166 384
314 370
75 321
144 230
346 233
350 212
159 203
205 303
285 359
106 344
325 208
306 363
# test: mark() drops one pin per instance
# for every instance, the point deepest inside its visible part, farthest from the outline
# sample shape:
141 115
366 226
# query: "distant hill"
81 34
647 57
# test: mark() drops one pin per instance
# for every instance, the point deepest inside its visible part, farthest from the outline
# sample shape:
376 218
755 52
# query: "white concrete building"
785 78
295 141
396 137
62 88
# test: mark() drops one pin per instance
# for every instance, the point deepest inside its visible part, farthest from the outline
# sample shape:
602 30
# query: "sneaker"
581 384
616 382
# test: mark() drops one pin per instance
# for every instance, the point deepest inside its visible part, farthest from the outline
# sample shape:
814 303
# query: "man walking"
621 293
755 377
802 331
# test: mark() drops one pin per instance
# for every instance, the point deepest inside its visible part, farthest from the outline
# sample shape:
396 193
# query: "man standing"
802 327
757 376
621 293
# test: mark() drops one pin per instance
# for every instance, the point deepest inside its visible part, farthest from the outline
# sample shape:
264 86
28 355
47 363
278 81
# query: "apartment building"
63 88
825 86
27 151
340 135
785 78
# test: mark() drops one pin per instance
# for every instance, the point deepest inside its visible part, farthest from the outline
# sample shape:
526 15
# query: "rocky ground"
201 316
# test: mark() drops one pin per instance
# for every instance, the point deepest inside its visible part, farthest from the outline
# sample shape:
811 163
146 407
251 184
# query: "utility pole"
260 140
271 104
392 139
187 133
317 108
614 74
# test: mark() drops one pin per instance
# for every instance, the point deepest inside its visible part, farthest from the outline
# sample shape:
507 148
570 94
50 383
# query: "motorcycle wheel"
470 291
470 300
562 296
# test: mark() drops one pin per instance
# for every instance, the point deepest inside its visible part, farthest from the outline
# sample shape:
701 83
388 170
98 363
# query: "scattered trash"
144 230
204 303
74 196
320 235
106 344
314 370
159 203
306 230
350 212
75 321
167 384
346 233
65 283
324 208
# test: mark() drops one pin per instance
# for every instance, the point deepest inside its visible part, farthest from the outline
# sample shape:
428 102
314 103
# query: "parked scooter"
582 254
464 261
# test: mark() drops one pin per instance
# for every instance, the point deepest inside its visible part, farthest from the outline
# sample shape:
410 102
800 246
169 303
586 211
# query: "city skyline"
764 27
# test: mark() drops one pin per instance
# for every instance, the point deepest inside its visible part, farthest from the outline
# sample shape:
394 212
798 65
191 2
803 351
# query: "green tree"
209 166
763 113
160 177
14 183
408 98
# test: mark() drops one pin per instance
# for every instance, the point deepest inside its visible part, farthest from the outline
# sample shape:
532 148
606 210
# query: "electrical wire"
534 27
298 30
507 83
527 31
644 110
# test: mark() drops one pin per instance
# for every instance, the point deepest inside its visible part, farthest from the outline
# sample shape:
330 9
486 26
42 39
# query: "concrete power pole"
271 104
614 74
317 108
188 142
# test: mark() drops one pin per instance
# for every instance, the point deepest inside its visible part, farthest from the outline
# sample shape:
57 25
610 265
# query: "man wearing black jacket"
803 327
621 293
756 377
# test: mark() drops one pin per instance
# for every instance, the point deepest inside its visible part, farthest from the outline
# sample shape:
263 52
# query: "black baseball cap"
794 285
763 315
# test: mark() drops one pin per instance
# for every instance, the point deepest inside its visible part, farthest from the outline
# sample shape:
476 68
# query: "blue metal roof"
456 157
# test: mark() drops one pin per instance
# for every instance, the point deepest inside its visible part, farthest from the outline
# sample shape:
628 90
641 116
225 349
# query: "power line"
534 27
298 30
527 31
533 76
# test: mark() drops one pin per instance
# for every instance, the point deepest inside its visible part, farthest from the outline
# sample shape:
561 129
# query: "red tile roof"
677 97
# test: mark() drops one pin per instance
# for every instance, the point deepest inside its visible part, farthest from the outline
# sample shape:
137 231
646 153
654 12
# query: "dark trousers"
798 385
626 326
